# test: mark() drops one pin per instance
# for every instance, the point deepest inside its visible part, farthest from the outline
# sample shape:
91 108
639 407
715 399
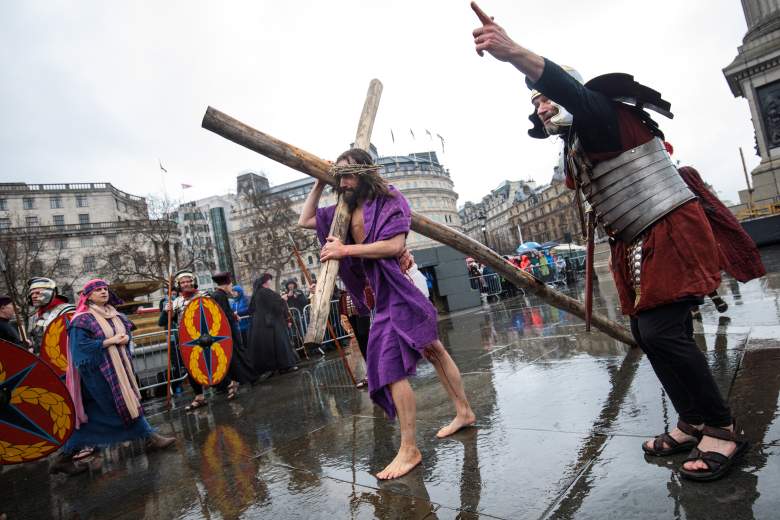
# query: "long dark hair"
370 184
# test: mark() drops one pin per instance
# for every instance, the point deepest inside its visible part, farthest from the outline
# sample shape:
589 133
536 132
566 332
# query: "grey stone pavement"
561 416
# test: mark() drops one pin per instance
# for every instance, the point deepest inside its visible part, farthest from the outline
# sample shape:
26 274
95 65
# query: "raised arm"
308 218
390 248
492 38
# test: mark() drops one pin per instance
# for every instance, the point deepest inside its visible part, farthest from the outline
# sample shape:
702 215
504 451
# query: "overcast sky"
98 91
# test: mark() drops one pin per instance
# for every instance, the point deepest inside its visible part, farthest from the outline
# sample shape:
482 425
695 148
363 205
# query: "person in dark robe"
268 337
664 245
241 369
405 328
293 296
7 331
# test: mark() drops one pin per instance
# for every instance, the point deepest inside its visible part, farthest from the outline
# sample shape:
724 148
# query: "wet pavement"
561 416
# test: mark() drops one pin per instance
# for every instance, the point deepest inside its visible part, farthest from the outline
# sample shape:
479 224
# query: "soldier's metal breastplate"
637 188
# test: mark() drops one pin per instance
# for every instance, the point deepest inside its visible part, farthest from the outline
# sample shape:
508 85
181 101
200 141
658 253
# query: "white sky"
98 91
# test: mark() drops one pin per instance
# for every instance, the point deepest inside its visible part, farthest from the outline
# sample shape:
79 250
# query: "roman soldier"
43 295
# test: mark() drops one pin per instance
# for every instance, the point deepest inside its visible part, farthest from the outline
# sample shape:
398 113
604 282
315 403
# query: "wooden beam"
320 306
244 135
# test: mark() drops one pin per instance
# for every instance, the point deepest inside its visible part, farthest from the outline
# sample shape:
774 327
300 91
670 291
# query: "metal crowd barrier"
150 360
150 351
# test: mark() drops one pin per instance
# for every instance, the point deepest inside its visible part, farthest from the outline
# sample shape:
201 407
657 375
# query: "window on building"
90 264
28 203
111 240
87 242
31 221
3 205
62 266
55 202
5 223
60 243
83 219
36 268
311 261
81 201
115 259
59 220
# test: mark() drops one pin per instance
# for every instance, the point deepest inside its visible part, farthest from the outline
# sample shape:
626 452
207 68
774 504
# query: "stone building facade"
545 214
69 230
488 221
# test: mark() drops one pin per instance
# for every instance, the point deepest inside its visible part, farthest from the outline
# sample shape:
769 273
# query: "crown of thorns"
353 169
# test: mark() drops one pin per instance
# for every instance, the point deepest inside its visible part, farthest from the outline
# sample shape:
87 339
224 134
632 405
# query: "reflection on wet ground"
561 415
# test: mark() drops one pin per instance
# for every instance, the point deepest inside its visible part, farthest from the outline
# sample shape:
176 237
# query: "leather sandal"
675 446
195 404
717 463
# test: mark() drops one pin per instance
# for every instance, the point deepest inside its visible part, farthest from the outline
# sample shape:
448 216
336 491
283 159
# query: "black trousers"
665 334
361 325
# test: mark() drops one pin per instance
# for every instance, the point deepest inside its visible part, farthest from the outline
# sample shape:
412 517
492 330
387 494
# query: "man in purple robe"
404 327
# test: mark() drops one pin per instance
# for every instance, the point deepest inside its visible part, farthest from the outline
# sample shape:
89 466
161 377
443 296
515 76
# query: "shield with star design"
205 341
54 346
36 411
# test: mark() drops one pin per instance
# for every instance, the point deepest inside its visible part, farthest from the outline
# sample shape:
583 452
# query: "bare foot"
403 463
707 443
676 434
460 421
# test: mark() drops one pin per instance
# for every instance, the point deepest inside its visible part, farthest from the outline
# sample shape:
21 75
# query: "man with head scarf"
405 322
664 255
43 295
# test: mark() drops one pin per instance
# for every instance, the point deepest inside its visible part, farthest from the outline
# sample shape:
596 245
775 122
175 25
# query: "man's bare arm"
492 38
334 249
308 218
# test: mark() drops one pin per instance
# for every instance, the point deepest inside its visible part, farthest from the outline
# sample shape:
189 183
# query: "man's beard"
351 197
554 129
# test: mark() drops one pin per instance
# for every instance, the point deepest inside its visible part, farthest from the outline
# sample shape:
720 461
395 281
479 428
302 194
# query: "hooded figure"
269 340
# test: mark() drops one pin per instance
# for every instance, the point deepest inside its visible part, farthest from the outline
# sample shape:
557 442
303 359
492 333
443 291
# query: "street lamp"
483 223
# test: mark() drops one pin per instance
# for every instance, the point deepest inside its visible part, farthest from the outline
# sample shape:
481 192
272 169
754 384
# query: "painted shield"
36 411
205 341
54 347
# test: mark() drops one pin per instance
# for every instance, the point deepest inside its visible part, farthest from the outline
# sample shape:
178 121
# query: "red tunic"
679 253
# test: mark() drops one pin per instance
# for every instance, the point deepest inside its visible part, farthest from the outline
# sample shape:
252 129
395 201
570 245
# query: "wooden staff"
307 276
305 162
320 304
170 322
589 270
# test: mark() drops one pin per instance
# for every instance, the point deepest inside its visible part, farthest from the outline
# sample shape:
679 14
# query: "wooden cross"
320 305
305 162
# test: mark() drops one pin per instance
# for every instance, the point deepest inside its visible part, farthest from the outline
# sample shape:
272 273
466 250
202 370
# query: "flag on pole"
392 135
413 137
185 186
442 141
429 134
161 166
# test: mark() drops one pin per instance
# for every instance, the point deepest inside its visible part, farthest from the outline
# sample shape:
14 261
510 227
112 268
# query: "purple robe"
404 320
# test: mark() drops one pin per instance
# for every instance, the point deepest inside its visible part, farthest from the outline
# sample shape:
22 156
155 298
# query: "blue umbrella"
527 246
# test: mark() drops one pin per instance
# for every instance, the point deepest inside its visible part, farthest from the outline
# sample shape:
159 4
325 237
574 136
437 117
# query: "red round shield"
205 341
54 346
36 411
